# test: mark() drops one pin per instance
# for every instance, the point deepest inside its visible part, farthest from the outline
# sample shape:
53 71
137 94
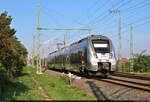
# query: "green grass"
23 88
144 73
58 88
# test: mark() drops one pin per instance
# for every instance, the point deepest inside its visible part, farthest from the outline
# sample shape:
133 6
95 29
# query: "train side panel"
93 54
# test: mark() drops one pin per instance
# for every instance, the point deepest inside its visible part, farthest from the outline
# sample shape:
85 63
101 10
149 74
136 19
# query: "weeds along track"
118 79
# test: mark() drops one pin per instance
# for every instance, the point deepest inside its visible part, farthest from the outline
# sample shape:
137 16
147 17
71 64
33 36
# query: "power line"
50 15
60 14
138 5
104 16
99 8
142 22
123 4
106 22
136 8
134 22
131 50
88 10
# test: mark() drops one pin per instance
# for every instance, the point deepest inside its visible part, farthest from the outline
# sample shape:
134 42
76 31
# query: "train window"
101 46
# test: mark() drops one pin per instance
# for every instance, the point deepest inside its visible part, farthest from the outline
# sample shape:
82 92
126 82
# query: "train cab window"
101 46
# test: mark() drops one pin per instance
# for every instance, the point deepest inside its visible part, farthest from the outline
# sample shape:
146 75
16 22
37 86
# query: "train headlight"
110 55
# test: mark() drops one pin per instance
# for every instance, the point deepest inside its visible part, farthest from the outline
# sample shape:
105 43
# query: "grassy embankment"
144 73
23 88
57 88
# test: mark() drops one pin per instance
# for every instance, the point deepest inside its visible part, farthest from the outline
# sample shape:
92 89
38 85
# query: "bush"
142 62
4 79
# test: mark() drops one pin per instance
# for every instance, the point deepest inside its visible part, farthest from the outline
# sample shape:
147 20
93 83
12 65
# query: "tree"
12 53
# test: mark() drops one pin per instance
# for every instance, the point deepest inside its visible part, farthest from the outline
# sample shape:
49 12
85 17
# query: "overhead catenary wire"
143 21
104 4
103 16
125 25
107 14
87 11
112 24
137 5
127 12
52 18
62 15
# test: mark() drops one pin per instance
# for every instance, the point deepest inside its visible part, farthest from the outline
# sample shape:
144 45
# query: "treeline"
12 53
141 63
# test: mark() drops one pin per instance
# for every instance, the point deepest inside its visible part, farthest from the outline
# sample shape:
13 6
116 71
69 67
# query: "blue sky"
81 14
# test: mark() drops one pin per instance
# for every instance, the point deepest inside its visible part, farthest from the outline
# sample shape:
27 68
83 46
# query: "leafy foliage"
142 62
12 52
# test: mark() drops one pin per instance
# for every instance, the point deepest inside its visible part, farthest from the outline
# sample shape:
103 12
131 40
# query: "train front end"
101 55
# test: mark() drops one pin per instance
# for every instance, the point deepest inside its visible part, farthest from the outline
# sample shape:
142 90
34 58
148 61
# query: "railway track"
127 80
134 76
145 86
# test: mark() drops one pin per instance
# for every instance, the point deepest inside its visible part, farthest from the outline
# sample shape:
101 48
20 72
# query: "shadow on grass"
12 90
23 74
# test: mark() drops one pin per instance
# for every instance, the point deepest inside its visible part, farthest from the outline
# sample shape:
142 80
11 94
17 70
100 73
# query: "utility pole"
119 37
89 31
33 51
29 59
63 57
46 60
65 39
43 63
38 44
131 50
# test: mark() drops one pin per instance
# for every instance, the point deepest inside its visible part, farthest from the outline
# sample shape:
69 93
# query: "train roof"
88 37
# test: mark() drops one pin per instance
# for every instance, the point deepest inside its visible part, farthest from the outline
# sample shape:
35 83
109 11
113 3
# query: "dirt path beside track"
43 93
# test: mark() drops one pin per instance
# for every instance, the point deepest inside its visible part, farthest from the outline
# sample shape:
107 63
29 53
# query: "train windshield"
101 46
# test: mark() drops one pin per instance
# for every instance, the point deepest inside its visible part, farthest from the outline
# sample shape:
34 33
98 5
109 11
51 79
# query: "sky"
92 14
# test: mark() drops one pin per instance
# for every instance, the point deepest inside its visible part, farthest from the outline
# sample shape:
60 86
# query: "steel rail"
134 76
